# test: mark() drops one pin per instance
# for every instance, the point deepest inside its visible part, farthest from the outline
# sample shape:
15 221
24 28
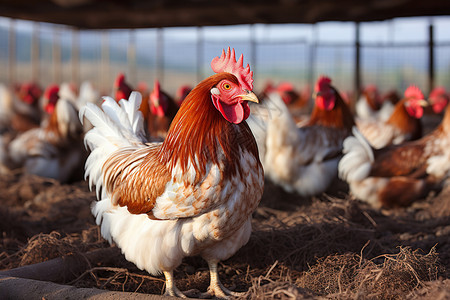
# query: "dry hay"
315 248
349 275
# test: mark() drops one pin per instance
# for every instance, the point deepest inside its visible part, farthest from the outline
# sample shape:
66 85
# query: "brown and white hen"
192 194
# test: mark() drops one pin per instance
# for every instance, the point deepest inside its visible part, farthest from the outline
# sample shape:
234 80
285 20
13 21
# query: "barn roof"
98 14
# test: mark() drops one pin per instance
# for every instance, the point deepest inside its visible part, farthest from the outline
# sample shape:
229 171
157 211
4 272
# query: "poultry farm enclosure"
301 247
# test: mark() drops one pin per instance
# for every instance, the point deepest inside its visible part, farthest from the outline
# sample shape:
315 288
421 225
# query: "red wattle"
416 112
325 104
157 111
234 113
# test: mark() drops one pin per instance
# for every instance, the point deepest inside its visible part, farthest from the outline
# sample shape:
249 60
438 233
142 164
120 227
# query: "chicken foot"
216 288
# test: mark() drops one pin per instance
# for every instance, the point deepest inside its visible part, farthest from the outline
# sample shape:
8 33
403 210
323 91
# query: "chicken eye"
227 86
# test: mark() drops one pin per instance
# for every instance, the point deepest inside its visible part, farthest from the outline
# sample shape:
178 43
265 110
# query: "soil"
330 246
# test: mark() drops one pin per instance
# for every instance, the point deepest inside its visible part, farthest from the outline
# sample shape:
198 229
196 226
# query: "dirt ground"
324 247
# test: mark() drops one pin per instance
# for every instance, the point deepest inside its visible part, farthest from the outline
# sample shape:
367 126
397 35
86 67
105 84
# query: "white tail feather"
358 157
68 123
115 127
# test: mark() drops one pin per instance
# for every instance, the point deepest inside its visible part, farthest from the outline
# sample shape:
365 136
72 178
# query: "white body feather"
380 134
39 152
365 112
298 159
6 107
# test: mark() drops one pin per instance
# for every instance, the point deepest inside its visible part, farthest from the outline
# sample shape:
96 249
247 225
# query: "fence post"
12 52
253 49
75 56
430 57
160 55
131 56
56 55
200 53
357 86
104 61
35 53
312 62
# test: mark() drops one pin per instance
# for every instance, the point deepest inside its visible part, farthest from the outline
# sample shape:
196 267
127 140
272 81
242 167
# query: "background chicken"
121 88
192 194
302 159
161 111
397 175
26 111
182 93
55 149
438 100
403 125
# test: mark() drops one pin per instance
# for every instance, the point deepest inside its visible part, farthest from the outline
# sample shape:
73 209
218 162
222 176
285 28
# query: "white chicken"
305 159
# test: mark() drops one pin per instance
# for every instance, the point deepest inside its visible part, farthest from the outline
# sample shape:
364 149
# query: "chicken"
373 106
182 93
305 159
51 97
400 174
438 99
162 110
87 94
122 89
192 194
403 125
26 113
55 149
297 103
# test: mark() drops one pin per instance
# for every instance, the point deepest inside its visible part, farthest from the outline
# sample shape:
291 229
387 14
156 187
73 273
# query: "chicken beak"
423 103
250 96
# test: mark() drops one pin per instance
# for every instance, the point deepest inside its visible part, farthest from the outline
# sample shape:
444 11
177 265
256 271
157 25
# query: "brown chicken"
399 174
404 124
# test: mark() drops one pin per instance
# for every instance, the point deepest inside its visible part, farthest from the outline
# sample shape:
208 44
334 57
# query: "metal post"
357 86
75 57
104 63
35 53
430 57
12 52
253 49
160 55
56 55
312 61
200 53
131 56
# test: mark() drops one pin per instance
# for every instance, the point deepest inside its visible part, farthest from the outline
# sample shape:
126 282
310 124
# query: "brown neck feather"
402 120
339 117
446 119
199 129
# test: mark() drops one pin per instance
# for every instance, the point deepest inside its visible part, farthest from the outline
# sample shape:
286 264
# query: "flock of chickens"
181 176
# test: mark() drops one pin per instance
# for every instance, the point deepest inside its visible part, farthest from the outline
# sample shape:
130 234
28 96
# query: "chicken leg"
216 288
171 289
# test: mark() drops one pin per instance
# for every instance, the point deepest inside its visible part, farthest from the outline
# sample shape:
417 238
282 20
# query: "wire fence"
49 53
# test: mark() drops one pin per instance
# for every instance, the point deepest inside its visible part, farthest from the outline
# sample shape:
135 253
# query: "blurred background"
392 54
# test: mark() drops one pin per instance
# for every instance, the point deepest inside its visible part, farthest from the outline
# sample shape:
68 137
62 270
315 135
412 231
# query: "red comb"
51 90
157 85
227 63
119 79
285 87
322 82
413 92
437 91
